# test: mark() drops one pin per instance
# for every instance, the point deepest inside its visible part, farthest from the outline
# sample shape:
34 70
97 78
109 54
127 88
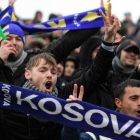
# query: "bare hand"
74 96
11 2
112 24
5 49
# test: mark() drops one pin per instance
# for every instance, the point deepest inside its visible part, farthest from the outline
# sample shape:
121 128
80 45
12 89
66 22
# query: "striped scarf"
29 85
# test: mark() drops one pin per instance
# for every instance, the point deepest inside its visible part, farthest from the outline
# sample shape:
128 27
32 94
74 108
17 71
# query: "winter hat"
128 43
13 29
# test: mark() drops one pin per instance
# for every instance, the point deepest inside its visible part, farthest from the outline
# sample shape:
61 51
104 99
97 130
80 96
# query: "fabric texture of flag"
7 16
84 20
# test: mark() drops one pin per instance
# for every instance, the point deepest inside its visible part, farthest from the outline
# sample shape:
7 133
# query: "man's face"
128 57
17 44
43 76
69 68
130 104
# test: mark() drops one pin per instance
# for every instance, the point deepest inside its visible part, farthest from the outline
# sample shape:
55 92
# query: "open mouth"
138 112
48 86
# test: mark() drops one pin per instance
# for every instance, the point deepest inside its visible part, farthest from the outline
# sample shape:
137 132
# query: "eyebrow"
133 96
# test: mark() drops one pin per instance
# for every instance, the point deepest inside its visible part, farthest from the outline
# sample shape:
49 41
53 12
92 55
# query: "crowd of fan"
75 69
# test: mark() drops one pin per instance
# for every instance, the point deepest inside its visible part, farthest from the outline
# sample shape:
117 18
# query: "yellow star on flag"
90 16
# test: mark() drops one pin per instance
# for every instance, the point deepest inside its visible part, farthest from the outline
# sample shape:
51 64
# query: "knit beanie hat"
13 29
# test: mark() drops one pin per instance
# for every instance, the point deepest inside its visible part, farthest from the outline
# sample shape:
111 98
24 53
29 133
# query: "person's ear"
28 74
118 102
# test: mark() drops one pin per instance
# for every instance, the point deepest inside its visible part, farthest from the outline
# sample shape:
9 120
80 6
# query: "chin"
12 57
130 65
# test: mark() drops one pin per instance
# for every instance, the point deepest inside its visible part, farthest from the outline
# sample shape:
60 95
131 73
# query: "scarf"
117 66
29 85
14 65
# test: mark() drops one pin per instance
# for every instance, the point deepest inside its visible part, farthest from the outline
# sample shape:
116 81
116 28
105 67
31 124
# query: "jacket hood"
86 50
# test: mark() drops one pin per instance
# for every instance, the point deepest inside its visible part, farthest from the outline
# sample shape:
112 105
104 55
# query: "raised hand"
74 96
6 49
11 2
112 24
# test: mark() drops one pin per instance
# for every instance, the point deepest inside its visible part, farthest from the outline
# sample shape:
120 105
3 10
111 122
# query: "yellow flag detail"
106 8
6 15
90 16
6 33
40 26
61 23
13 17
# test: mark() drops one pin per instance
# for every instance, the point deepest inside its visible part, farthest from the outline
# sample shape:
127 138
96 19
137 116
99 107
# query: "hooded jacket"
101 95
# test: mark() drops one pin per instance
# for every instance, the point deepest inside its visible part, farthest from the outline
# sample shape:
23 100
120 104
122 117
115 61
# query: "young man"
124 62
127 100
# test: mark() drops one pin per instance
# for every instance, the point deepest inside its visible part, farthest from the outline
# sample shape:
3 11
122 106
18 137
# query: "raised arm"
96 74
70 41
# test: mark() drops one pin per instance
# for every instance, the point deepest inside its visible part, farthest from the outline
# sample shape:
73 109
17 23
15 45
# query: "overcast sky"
27 8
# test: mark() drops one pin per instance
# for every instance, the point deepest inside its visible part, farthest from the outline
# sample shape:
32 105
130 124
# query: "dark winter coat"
101 95
19 126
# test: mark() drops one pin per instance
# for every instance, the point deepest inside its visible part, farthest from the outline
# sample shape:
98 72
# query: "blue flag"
84 20
7 16
78 114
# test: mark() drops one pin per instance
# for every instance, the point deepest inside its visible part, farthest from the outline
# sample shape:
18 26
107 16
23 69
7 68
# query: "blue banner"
84 20
76 114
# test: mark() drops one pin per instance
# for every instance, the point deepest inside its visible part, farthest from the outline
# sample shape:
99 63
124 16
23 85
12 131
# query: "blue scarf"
84 20
78 114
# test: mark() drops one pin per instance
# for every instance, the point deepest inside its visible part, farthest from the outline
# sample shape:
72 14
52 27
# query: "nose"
138 103
49 75
14 42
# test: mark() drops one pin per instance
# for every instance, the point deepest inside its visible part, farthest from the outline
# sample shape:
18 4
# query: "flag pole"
2 34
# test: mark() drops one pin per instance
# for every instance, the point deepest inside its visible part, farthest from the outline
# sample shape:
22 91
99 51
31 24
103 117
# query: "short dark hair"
35 60
120 90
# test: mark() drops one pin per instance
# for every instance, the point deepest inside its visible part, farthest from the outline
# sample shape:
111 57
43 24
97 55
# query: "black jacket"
101 95
19 126
60 49
119 74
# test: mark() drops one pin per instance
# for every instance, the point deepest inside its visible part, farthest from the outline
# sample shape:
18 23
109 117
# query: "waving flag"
84 20
7 16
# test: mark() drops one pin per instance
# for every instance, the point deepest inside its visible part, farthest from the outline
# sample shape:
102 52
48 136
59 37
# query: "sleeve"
93 77
70 133
1 63
67 43
135 74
